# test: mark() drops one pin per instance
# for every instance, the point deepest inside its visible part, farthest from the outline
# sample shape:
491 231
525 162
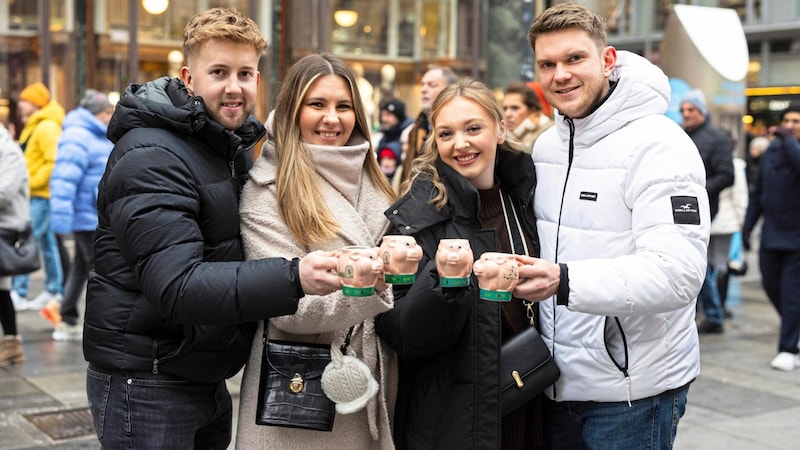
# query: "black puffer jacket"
169 292
448 340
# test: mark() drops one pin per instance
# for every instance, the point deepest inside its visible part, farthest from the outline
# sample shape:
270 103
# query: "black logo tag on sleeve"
591 196
685 210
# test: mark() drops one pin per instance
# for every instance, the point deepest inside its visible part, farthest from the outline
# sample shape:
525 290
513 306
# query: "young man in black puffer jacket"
171 308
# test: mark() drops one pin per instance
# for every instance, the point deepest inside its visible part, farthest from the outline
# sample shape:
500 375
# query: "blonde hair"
221 23
425 164
299 198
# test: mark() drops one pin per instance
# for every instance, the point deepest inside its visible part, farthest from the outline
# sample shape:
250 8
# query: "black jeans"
78 276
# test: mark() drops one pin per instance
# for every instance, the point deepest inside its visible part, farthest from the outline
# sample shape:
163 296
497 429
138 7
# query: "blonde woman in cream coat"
317 186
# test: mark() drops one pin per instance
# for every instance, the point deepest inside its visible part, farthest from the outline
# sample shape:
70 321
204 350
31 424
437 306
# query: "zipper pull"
233 169
155 366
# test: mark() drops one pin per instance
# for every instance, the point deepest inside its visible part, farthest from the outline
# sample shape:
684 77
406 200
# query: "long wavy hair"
425 164
299 196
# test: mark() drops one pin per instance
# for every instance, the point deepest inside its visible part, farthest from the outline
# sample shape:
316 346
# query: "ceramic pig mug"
358 270
454 262
497 275
401 255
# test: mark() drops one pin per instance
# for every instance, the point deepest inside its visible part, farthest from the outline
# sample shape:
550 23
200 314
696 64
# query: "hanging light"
345 18
345 15
155 7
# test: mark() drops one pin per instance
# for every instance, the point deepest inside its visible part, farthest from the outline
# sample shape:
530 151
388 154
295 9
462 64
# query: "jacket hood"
51 111
518 179
81 117
641 89
166 103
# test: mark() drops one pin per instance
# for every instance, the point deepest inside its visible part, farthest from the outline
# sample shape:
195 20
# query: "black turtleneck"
492 217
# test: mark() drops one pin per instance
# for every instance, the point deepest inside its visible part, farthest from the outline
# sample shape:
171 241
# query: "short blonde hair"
224 24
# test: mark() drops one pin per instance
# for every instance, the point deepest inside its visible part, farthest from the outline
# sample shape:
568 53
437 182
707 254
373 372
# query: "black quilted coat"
169 292
448 340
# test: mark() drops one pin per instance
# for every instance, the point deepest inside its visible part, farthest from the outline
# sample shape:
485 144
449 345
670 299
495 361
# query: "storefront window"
617 14
393 28
663 11
23 15
161 26
359 27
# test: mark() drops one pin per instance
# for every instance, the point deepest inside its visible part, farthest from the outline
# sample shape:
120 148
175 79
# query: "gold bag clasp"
296 384
517 378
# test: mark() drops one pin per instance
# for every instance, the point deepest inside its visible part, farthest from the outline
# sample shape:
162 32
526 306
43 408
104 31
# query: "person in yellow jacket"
42 117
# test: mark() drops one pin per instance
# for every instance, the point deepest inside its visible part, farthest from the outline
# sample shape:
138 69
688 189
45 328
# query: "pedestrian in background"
776 199
716 150
758 145
523 114
317 186
83 151
171 308
434 80
623 221
473 184
394 123
14 214
42 118
725 229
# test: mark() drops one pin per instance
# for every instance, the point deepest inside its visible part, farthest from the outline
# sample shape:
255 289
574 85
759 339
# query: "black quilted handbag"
290 389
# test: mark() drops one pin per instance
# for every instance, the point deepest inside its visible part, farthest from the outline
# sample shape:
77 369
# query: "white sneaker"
41 300
785 361
18 300
65 332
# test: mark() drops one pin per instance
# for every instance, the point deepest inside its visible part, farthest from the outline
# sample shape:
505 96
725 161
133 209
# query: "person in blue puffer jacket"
83 151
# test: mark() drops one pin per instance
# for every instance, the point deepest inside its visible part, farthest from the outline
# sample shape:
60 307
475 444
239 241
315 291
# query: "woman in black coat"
448 339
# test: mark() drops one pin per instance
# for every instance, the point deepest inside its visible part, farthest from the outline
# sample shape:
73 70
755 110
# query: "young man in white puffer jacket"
623 220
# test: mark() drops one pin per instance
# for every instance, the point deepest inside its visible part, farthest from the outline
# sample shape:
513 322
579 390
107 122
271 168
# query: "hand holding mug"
539 279
318 273
359 269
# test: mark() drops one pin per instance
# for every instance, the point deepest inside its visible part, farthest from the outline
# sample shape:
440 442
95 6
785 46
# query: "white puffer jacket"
633 271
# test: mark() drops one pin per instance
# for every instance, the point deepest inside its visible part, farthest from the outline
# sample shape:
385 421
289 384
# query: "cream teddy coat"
358 206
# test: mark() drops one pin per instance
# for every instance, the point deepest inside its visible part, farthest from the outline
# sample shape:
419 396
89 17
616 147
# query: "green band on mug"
399 278
454 281
495 296
351 291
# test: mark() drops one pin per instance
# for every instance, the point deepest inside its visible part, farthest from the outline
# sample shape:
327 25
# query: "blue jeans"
54 277
650 423
137 410
709 298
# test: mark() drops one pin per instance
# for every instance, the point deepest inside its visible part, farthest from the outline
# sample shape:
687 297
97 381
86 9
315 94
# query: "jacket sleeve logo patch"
685 210
591 196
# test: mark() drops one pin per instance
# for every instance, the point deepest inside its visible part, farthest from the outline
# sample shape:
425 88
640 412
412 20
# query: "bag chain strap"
517 242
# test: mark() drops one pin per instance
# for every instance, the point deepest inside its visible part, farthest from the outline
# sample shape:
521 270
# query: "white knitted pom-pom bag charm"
346 380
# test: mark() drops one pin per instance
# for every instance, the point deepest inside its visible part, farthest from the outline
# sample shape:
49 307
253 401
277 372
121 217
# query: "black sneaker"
707 327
